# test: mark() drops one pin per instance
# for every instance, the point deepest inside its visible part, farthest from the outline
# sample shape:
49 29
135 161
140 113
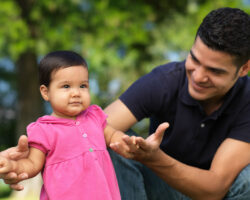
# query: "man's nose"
200 74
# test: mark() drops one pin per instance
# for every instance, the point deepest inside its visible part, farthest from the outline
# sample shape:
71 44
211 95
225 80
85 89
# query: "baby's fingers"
123 150
141 142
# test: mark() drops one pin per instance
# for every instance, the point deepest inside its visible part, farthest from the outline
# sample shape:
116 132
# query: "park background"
120 39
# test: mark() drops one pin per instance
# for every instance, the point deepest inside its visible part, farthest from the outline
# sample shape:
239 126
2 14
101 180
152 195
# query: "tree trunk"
29 106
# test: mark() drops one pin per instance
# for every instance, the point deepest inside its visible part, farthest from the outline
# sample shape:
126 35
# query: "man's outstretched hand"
16 153
145 148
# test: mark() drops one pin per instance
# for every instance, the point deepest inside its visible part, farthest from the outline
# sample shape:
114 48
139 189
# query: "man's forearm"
194 182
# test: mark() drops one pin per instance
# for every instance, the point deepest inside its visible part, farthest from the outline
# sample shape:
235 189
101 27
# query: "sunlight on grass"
26 198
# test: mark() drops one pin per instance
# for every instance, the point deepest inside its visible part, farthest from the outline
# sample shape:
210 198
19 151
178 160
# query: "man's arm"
231 157
31 165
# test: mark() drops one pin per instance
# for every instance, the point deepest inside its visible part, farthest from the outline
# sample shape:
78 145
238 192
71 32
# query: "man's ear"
245 69
44 92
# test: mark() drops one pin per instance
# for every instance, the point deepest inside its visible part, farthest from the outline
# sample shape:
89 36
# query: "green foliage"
4 189
116 37
121 40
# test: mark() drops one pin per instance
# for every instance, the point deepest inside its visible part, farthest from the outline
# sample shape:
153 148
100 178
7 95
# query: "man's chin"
197 96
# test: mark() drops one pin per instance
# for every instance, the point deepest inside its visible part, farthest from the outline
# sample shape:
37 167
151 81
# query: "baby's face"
68 92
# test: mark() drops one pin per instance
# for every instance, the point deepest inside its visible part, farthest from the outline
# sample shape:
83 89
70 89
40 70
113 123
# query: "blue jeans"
137 182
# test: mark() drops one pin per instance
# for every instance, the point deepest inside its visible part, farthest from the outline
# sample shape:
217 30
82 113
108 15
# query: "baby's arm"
120 140
31 165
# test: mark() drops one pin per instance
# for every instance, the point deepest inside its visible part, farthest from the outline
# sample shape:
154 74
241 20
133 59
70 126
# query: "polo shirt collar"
185 98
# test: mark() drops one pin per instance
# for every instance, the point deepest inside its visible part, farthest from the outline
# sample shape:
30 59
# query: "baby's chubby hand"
126 147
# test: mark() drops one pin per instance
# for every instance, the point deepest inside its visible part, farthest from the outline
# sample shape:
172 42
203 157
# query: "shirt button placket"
84 135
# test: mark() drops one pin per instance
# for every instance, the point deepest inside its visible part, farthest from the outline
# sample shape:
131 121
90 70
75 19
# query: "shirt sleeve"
152 94
241 127
37 137
99 115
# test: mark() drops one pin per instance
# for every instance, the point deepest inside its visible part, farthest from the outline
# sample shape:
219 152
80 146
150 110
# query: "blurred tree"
114 36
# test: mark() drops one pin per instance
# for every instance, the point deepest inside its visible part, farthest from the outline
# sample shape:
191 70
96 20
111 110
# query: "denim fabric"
240 190
137 182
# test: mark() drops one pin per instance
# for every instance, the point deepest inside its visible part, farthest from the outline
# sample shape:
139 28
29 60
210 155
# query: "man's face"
211 74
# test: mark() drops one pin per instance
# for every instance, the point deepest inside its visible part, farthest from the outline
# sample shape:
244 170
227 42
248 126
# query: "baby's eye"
66 86
83 86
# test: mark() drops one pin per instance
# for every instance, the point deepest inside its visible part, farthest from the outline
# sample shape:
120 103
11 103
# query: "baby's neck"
63 116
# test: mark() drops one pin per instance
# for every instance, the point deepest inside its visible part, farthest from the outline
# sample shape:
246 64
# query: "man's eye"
194 59
65 86
216 71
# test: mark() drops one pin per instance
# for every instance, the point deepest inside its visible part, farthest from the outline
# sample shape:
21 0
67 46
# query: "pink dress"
78 165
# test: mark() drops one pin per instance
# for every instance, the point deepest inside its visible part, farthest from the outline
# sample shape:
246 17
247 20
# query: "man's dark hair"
227 30
56 60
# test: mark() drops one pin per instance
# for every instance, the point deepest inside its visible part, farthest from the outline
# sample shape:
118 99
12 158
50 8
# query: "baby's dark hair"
57 60
227 30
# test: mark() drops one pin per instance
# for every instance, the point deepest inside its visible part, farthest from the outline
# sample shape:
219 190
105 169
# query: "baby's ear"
44 92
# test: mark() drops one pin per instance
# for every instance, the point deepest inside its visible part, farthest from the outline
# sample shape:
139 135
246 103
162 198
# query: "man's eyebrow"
193 56
219 70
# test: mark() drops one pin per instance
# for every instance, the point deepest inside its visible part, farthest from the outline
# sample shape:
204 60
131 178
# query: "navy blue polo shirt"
193 137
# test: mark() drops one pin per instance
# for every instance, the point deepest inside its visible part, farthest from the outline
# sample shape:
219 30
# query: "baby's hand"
5 165
126 147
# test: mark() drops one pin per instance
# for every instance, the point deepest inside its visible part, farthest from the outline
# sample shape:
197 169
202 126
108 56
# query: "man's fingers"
161 129
13 178
16 155
9 176
21 150
16 187
23 144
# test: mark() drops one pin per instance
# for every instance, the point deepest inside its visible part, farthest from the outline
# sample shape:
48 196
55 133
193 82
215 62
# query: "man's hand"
143 149
16 153
5 165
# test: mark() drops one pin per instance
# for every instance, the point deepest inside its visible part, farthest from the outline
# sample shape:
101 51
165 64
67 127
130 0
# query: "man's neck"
211 106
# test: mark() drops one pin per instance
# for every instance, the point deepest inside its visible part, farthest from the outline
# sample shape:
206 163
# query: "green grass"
4 190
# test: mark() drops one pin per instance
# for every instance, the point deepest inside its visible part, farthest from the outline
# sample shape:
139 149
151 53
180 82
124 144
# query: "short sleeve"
241 127
152 93
99 115
37 137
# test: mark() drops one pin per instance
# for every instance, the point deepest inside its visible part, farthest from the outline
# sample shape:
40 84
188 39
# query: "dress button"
84 135
77 122
202 125
90 149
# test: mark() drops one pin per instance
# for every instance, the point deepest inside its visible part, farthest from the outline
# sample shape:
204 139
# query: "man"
206 100
205 153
